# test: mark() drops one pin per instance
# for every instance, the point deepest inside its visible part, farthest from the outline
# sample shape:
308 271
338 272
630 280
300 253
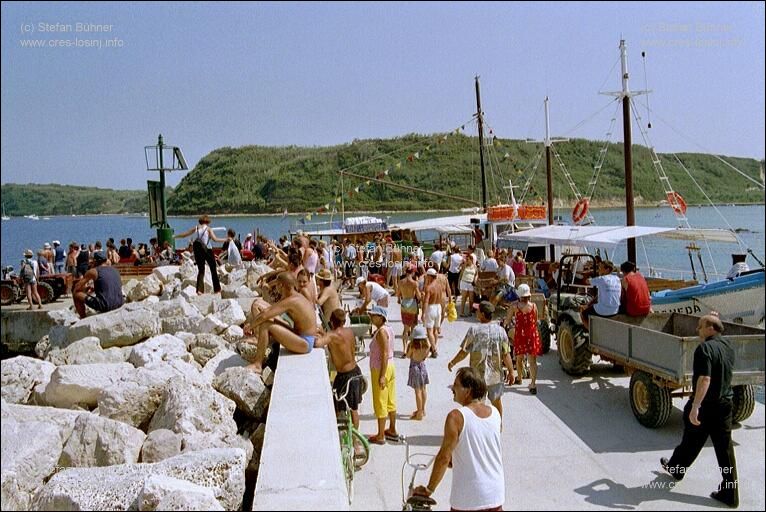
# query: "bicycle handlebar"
342 398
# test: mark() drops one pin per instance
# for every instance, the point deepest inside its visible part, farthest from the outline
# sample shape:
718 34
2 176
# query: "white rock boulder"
73 386
21 375
119 487
97 441
158 349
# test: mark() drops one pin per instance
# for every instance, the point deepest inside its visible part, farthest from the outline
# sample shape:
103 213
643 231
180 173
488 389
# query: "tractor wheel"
8 294
744 403
651 403
46 292
544 328
574 360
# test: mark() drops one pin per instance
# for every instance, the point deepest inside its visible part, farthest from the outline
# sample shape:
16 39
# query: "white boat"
32 217
739 300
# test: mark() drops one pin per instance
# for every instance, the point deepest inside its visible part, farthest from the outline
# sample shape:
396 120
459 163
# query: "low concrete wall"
300 465
21 330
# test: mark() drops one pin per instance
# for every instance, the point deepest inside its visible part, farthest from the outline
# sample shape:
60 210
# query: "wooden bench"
129 271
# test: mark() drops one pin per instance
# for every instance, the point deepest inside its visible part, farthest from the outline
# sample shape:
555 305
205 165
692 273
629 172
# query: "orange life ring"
580 210
677 202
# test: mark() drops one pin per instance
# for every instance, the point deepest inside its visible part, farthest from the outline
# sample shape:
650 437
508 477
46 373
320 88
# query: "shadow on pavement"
596 407
608 493
424 440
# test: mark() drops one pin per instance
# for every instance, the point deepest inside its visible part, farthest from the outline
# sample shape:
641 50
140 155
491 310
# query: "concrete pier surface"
575 445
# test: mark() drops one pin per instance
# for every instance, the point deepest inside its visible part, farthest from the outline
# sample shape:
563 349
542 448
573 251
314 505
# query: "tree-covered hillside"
258 179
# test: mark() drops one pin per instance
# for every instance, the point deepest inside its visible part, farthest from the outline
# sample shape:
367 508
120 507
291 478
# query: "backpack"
27 272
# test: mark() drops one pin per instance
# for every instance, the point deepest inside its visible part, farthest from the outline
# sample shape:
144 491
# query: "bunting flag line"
398 165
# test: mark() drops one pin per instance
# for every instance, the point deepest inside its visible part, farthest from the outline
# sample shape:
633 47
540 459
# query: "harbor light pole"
155 161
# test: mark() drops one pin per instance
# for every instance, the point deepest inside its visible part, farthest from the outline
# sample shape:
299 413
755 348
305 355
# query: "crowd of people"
302 309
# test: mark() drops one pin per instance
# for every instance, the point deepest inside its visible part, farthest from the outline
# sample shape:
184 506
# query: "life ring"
677 202
580 210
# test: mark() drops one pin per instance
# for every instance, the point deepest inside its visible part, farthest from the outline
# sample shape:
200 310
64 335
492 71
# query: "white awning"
586 236
441 222
708 235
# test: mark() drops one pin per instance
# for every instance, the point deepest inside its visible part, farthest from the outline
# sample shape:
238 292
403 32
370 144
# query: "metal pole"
162 186
627 136
481 146
549 173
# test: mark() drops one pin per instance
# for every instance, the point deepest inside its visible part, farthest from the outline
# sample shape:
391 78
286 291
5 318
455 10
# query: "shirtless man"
433 299
328 298
395 271
409 296
340 342
444 281
299 339
306 286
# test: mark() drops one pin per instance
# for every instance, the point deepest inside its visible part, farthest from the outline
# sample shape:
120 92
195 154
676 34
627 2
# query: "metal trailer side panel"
664 344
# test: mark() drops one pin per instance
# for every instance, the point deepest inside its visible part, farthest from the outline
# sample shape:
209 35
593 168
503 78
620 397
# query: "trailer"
657 351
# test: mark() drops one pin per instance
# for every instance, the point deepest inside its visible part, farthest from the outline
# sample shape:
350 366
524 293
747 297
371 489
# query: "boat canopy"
585 236
706 235
455 221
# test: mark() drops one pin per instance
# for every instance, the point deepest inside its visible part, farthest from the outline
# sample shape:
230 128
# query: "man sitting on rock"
299 339
106 284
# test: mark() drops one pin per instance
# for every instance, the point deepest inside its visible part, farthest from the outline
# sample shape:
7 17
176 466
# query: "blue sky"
315 74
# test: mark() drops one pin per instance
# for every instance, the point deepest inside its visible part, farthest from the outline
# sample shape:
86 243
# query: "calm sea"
19 234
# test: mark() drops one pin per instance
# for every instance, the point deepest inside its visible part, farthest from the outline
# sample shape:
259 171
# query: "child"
418 351
526 340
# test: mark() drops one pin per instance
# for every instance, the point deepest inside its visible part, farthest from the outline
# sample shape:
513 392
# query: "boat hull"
740 300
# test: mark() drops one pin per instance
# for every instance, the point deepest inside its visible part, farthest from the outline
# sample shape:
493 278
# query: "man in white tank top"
472 443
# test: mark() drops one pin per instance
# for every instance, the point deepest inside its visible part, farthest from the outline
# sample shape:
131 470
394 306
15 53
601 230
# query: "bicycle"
414 501
350 439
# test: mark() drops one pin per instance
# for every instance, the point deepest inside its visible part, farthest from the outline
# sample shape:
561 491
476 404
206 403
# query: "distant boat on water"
32 217
5 217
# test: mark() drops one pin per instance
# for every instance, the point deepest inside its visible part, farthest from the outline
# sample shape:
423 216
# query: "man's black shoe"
726 499
664 463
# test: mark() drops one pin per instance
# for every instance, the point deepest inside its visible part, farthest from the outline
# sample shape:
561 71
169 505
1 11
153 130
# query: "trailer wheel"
650 402
744 403
544 328
574 360
8 294
46 292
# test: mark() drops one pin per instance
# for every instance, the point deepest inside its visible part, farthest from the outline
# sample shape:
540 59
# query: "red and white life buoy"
677 202
580 210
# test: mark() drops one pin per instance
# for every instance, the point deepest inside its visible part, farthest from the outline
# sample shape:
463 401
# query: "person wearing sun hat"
526 340
328 299
383 376
29 272
370 291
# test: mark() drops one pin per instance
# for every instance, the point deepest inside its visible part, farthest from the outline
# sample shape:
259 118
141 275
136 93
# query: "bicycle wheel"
361 449
348 465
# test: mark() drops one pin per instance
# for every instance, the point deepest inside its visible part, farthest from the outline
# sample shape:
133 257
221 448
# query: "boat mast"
627 136
549 141
625 94
479 117
549 173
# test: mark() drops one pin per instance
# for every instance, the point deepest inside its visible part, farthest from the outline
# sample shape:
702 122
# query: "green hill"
53 199
258 179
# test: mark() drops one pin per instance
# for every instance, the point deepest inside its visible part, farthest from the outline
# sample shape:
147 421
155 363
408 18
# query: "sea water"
663 257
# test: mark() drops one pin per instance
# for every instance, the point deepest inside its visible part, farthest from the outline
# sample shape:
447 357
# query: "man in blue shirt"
609 288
